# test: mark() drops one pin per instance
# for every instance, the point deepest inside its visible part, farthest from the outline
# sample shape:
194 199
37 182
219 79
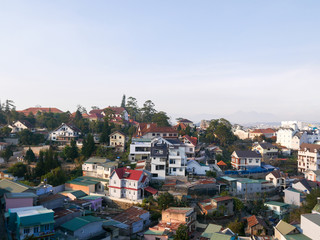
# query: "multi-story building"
242 160
285 135
190 144
278 179
268 133
221 204
168 157
20 125
98 167
267 150
152 130
309 157
37 221
64 133
140 149
118 141
129 184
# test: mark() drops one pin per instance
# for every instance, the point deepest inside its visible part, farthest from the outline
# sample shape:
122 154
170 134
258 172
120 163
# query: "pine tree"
30 157
123 103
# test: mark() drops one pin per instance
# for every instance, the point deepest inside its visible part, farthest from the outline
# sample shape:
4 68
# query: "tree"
39 169
88 146
30 157
18 170
181 233
165 200
71 152
147 111
238 204
132 107
236 227
161 119
55 177
7 153
123 102
27 137
211 174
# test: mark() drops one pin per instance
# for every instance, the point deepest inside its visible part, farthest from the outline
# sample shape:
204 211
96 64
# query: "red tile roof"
220 199
253 220
193 140
221 163
131 174
116 110
35 110
151 190
145 128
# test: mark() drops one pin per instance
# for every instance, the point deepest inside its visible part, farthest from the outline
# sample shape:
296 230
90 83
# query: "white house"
194 167
115 113
64 133
20 125
312 175
293 197
284 136
152 130
98 167
309 157
140 149
278 208
190 144
277 178
310 225
242 160
266 149
129 184
118 141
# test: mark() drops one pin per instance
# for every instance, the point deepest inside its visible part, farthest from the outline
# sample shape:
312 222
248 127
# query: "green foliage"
18 169
123 102
211 174
181 233
30 157
148 111
132 107
237 227
7 153
238 204
71 152
165 200
161 119
5 131
28 183
88 146
55 177
224 193
29 138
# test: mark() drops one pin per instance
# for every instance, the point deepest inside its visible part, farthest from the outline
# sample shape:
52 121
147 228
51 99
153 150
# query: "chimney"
148 126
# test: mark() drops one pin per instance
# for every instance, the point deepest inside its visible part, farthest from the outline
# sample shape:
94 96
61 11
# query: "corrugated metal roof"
79 222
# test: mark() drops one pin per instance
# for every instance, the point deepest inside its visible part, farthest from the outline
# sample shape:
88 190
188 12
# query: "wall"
309 228
90 230
18 202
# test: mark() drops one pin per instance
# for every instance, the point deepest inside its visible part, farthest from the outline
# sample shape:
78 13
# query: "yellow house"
118 140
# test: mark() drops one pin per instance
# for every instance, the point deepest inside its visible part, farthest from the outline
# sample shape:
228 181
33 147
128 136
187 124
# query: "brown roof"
130 215
263 131
277 173
177 210
51 198
220 199
35 110
309 147
254 220
116 110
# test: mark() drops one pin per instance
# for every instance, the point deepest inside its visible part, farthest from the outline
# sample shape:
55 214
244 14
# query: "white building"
285 135
194 167
118 141
65 133
266 149
168 157
242 160
98 167
277 178
20 125
152 130
309 157
310 225
190 145
129 184
140 149
312 175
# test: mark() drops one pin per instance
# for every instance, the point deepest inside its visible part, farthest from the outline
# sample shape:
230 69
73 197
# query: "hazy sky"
188 57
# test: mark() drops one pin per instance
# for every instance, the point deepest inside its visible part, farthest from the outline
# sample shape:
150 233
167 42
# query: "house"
20 125
94 202
140 149
52 201
87 184
63 215
221 204
129 184
14 187
285 135
310 223
285 231
85 227
214 231
157 234
241 133
312 175
252 186
39 110
19 200
278 178
186 122
118 141
173 217
294 197
114 113
37 221
135 219
190 144
197 168
268 133
298 139
256 226
267 150
303 185
280 209
65 133
152 130
243 160
98 167
168 157
72 195
309 157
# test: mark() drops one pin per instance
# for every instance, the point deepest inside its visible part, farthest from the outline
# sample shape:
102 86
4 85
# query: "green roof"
91 197
154 232
248 180
21 195
280 204
211 228
297 237
79 222
14 187
78 194
31 216
220 236
86 181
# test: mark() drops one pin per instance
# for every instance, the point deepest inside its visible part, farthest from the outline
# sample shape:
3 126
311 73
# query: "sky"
196 59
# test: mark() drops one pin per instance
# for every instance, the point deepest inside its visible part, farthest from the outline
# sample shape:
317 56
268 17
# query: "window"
174 169
190 149
114 182
46 227
250 161
172 161
26 230
164 134
36 229
153 134
257 161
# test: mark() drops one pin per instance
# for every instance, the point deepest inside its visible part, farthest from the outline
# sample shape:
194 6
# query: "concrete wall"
18 202
309 228
89 231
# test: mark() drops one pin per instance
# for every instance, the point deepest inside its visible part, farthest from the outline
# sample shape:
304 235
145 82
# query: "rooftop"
13 187
313 217
79 222
285 228
130 215
280 204
95 160
178 210
20 195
